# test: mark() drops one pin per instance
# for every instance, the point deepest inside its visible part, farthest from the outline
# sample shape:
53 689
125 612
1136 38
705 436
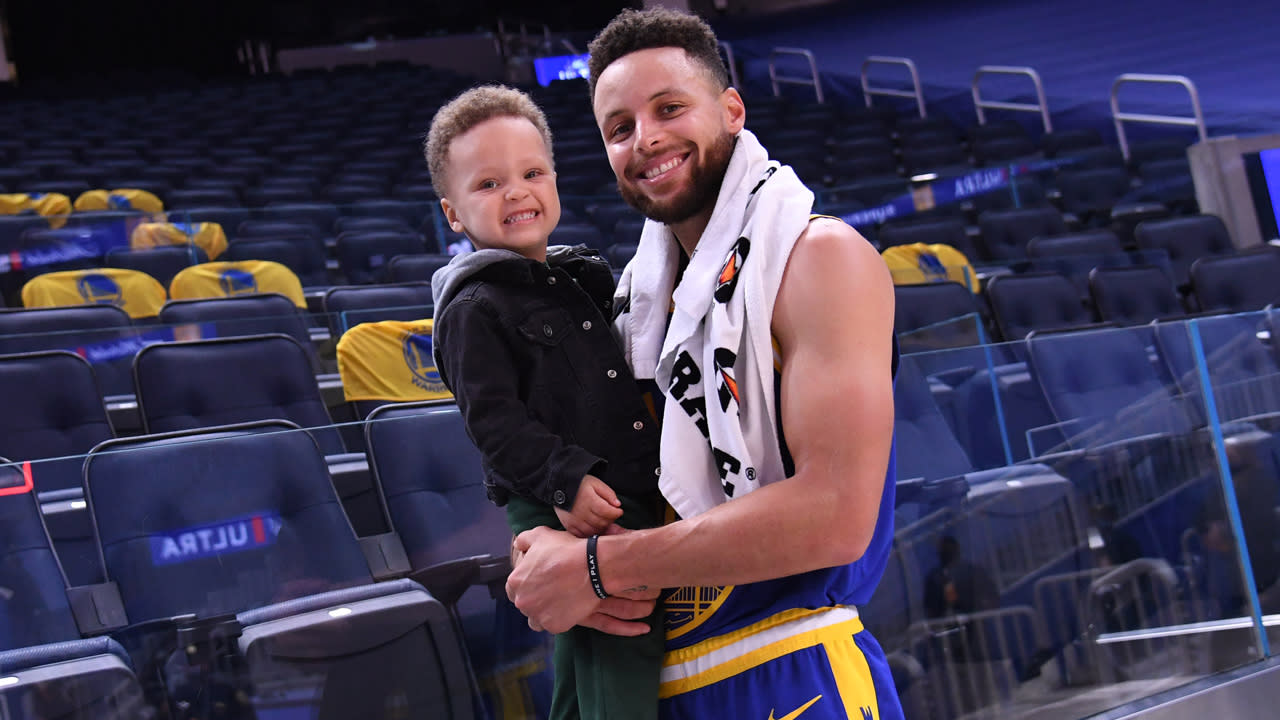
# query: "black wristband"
593 568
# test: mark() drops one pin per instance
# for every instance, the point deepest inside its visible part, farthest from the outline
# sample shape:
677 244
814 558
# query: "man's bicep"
834 323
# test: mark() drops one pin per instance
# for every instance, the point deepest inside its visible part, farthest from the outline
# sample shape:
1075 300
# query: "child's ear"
451 215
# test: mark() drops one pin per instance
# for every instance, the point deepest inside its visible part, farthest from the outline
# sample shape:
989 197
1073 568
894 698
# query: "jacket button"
657 472
558 497
551 279
638 425
612 374
546 330
586 325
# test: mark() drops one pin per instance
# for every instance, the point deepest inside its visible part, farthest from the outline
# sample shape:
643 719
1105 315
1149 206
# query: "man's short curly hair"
658 27
469 110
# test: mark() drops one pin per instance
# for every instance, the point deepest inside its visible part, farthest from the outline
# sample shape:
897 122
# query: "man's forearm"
781 529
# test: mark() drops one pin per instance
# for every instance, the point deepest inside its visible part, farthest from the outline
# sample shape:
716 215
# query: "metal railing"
916 93
726 51
778 80
1120 118
980 105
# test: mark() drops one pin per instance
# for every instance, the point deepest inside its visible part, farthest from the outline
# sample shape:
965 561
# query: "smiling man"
768 335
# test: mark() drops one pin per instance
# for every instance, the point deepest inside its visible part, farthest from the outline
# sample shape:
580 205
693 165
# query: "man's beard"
705 180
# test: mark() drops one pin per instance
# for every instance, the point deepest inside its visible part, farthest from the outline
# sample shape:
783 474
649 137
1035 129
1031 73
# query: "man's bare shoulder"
829 246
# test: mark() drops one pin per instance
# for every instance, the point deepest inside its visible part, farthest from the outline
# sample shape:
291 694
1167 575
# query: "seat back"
82 329
1094 191
35 606
219 522
350 306
208 236
1185 239
231 279
52 410
1035 301
922 305
135 292
239 316
304 255
1237 283
415 268
1093 242
161 263
191 385
926 446
1006 233
363 255
1133 295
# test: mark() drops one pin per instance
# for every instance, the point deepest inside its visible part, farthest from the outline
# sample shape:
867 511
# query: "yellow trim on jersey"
848 665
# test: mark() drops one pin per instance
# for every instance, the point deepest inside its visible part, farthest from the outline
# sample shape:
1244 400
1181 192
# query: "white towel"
715 361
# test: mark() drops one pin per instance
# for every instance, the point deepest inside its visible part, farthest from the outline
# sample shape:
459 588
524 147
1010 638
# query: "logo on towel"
207 541
237 282
99 290
422 366
727 280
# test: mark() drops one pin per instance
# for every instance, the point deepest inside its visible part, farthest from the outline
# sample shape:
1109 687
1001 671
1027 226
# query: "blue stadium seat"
1237 283
931 231
415 268
319 215
429 475
1006 233
161 263
363 255
242 526
77 328
936 315
237 316
1134 295
189 385
49 669
565 234
1185 239
1092 243
350 306
201 198
1022 304
303 254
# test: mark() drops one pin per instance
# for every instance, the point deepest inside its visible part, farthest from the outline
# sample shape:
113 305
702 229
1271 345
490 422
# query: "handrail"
980 105
812 81
729 62
1120 118
916 93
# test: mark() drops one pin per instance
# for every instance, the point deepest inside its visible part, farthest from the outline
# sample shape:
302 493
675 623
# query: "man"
777 461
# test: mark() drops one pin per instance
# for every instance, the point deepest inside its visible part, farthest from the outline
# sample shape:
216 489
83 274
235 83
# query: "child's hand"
594 509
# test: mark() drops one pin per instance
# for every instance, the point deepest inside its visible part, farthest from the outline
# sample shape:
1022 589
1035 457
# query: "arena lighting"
339 612
79 504
9 681
924 177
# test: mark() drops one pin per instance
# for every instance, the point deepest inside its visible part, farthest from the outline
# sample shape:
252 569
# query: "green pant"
600 676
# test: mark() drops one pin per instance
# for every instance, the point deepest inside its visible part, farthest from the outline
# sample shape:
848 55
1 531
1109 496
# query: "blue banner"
127 347
944 191
86 242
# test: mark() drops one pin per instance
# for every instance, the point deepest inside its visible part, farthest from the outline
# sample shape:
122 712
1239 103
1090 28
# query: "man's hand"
550 586
595 508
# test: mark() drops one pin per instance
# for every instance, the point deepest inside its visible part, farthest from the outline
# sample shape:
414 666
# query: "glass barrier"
241 575
1102 555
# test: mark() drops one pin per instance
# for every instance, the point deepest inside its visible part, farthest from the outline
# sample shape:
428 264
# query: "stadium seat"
429 476
363 255
258 314
932 231
927 448
232 279
388 361
1026 303
923 311
1090 243
588 235
49 669
241 526
302 254
1237 283
415 268
137 293
1134 295
1185 239
101 333
161 263
320 215
201 384
1006 233
350 306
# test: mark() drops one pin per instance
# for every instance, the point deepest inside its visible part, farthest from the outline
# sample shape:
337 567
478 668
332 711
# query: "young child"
522 337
